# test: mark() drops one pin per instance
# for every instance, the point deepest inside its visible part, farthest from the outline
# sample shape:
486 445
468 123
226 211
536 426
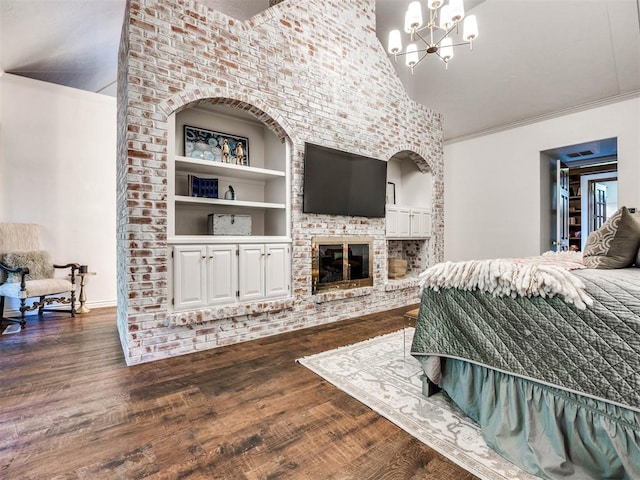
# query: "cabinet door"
189 276
404 222
251 272
277 270
426 224
398 222
391 218
222 270
420 223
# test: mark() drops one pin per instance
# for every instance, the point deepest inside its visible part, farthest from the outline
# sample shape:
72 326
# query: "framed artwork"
391 193
215 146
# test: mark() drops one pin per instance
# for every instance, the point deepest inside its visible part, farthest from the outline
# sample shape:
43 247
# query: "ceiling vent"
584 153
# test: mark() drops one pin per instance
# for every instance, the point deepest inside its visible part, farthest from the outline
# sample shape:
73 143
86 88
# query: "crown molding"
546 116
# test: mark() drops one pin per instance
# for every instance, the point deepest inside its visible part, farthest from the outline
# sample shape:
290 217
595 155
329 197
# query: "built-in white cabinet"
206 275
264 271
224 267
407 222
408 213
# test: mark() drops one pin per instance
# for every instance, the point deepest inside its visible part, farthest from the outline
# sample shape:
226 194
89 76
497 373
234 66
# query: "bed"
553 381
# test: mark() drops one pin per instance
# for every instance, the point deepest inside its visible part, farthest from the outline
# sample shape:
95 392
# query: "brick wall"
312 70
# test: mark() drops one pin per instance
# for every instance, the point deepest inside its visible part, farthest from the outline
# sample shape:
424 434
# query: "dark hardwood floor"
71 408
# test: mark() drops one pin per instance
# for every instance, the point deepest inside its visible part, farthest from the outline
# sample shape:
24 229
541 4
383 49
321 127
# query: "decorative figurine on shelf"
230 194
226 151
239 154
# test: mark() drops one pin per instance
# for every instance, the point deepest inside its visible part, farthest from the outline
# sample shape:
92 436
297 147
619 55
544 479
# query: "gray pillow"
637 214
615 244
38 261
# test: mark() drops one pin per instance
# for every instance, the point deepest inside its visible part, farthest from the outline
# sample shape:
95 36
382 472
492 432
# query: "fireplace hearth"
340 263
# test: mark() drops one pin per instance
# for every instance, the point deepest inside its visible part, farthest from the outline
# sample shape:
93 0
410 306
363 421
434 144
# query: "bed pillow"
38 261
615 244
637 214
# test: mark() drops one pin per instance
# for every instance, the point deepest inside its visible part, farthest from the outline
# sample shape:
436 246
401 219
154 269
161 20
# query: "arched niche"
268 148
412 179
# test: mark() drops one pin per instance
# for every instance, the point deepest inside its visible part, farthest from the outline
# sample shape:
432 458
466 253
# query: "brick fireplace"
309 78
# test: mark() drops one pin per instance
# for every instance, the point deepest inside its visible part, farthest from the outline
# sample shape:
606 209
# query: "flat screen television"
342 183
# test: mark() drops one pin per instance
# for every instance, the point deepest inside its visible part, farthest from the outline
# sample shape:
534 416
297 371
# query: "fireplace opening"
341 263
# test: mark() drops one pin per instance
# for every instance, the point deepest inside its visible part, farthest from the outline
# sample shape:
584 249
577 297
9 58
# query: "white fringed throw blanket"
546 275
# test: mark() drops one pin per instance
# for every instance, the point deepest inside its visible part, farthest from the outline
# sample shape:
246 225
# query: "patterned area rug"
382 374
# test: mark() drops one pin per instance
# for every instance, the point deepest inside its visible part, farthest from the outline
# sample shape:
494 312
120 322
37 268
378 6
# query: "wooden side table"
83 296
410 319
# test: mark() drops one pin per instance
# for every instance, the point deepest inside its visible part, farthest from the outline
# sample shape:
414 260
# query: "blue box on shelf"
202 187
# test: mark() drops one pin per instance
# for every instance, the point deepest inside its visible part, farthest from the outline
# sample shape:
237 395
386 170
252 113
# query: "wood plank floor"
71 408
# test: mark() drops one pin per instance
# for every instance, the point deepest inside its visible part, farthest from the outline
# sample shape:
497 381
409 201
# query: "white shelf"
262 193
194 165
226 239
227 203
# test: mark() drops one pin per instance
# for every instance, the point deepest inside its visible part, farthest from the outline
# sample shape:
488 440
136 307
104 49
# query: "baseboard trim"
13 312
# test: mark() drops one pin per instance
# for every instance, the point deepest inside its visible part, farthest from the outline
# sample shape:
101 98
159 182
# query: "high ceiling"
532 59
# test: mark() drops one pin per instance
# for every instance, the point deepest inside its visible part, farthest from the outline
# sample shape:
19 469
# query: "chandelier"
443 20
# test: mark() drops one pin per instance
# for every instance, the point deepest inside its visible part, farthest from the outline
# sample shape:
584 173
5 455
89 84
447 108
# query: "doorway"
578 192
600 201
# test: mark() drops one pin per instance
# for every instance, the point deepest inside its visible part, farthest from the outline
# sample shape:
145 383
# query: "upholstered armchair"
26 272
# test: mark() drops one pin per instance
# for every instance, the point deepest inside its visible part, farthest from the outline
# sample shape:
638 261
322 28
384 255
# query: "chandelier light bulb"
446 49
446 21
456 10
413 17
435 4
412 55
470 28
395 42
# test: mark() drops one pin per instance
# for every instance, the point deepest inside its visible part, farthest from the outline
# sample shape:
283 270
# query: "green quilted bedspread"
594 351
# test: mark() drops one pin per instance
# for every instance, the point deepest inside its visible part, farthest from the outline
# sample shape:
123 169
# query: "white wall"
492 183
58 169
